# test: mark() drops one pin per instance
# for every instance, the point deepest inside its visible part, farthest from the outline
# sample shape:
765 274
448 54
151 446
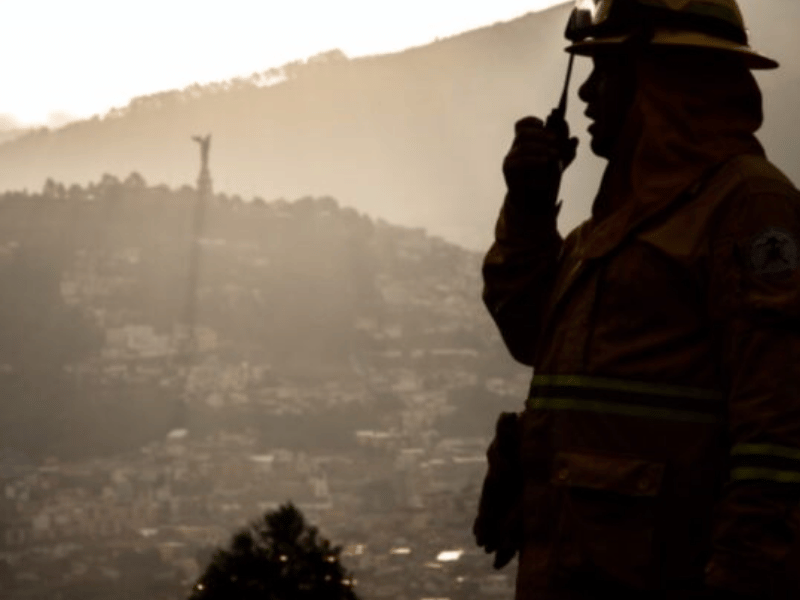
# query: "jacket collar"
594 240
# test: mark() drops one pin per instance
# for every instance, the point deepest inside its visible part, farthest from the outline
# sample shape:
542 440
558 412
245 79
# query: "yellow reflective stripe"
626 385
766 450
751 473
619 409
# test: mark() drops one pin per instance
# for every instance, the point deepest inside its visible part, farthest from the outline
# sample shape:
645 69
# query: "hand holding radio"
538 157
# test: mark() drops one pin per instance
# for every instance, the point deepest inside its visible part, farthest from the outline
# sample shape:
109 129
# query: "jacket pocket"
609 509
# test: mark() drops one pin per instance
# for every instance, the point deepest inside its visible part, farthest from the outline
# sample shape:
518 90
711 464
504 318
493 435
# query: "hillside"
307 317
415 137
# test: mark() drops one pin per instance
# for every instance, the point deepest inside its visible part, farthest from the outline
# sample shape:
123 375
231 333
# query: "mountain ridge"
415 137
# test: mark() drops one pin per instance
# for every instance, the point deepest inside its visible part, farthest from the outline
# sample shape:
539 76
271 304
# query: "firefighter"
658 452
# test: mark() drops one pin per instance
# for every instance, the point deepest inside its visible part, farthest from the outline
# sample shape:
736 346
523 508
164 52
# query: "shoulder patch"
774 253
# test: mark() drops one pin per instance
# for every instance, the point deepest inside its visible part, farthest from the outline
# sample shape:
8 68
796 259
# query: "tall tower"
204 192
187 353
204 179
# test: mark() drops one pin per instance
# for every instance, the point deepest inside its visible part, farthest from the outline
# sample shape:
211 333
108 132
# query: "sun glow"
68 60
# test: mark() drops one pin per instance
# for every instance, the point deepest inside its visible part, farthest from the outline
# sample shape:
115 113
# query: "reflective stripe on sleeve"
765 462
755 474
766 450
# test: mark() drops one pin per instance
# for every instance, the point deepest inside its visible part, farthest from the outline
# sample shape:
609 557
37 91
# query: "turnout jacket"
660 442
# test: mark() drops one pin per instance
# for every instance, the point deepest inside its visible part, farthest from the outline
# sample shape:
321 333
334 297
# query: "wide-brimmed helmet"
595 25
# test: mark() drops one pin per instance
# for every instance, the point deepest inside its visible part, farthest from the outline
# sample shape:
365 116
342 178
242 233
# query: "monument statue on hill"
204 195
204 179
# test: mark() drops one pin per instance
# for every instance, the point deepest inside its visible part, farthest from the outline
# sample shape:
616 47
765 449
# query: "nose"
586 91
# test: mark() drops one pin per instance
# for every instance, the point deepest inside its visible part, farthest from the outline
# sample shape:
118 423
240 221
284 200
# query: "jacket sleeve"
754 300
519 272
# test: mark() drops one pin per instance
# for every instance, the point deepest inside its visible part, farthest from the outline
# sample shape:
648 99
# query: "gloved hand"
498 526
538 158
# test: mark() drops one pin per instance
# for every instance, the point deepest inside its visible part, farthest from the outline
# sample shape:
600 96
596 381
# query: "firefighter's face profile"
608 94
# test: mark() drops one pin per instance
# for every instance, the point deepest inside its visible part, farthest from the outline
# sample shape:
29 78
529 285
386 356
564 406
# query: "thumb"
570 151
569 145
572 144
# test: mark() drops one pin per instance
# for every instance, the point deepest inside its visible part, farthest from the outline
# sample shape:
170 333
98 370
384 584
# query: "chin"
600 148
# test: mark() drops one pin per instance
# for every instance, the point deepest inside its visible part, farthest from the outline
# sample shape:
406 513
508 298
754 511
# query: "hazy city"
267 289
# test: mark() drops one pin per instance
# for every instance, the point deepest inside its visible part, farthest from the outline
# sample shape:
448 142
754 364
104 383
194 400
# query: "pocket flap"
623 475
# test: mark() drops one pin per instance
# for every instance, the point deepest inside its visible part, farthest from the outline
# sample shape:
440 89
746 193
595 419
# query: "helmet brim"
751 58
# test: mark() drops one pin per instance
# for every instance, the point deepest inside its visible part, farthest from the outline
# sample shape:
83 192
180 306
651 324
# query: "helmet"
715 24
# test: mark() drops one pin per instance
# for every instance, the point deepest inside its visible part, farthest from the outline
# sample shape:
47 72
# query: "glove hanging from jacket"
498 526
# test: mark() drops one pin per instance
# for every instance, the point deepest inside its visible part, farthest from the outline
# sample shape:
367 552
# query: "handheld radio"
556 121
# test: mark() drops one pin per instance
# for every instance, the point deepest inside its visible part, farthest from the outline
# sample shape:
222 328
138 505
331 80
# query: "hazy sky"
81 57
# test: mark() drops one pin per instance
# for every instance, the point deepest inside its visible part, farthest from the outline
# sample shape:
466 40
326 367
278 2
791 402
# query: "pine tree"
279 557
